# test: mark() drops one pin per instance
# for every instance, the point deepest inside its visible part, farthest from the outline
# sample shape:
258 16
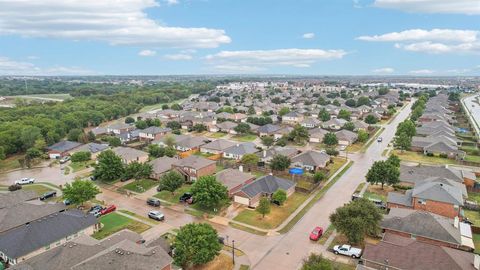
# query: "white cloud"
172 2
470 7
116 22
438 48
12 67
261 59
147 53
386 70
422 72
178 56
308 35
423 35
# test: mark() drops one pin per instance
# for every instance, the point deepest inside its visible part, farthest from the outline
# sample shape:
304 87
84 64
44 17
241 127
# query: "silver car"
157 215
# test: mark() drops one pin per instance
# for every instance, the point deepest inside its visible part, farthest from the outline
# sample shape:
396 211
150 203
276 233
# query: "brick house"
129 155
265 186
194 167
153 133
234 179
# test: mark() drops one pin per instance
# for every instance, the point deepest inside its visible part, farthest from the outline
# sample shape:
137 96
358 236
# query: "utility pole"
233 251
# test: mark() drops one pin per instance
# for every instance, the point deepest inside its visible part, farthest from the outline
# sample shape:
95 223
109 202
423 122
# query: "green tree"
174 125
171 181
403 141
330 139
176 107
196 244
81 156
250 160
29 135
169 141
114 141
141 124
318 177
363 100
384 173
251 110
170 152
137 170
74 134
282 141
242 128
344 114
407 127
32 153
91 136
324 115
267 140
156 151
129 120
263 206
351 102
362 135
2 153
317 262
208 192
109 167
199 128
40 144
371 119
299 134
279 196
283 111
357 219
349 126
394 160
336 102
280 163
80 191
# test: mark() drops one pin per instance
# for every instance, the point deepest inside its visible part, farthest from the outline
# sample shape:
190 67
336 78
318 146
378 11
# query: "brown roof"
193 161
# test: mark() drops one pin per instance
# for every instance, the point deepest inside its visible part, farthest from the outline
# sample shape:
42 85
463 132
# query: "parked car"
316 233
95 207
157 215
221 240
153 202
186 197
380 139
67 202
108 209
347 250
378 203
96 212
64 159
25 181
47 195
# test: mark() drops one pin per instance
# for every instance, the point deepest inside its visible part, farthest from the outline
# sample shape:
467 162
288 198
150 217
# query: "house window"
422 201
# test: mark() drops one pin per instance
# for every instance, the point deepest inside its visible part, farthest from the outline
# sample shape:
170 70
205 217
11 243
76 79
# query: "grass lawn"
360 187
244 267
277 214
78 166
355 147
420 158
159 105
39 189
216 135
205 155
10 163
474 196
173 198
221 262
472 158
245 138
339 239
476 242
141 185
376 192
144 218
336 164
326 234
114 222
247 229
473 216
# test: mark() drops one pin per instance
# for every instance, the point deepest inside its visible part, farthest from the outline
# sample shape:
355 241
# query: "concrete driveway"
52 175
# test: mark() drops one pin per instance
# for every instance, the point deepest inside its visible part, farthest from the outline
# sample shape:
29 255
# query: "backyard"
114 222
244 138
277 214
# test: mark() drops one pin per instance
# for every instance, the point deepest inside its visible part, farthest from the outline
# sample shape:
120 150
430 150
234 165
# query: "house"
216 147
310 122
334 124
121 250
411 175
311 160
397 252
98 131
267 155
284 131
194 167
292 118
227 127
185 143
316 135
250 194
160 166
120 128
129 155
267 130
360 125
346 137
62 149
429 228
93 148
129 136
239 150
438 196
234 179
153 133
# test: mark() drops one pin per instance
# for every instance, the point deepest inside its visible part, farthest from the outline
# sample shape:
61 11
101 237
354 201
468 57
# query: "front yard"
376 192
421 158
216 135
78 166
114 222
173 198
140 186
38 188
277 214
221 262
244 138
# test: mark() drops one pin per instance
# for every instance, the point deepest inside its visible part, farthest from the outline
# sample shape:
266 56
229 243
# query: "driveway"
52 175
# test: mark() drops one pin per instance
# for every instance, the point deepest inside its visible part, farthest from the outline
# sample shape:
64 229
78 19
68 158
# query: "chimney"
240 168
264 153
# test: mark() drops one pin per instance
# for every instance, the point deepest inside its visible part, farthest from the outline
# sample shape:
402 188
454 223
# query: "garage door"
241 200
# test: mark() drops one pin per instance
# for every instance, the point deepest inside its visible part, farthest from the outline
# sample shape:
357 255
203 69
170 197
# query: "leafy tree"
80 191
169 141
74 134
283 111
242 128
40 144
170 152
2 153
196 244
349 126
280 163
251 110
282 141
81 156
330 139
318 177
331 151
250 159
91 136
141 124
322 101
403 141
317 262
351 102
363 100
299 134
362 135
279 196
156 151
33 153
344 114
114 141
137 170
176 107
109 167
383 91
336 102
383 172
394 160
267 140
454 96
371 119
165 107
263 207
208 192
199 128
357 219
174 125
129 120
29 135
324 115
407 127
171 181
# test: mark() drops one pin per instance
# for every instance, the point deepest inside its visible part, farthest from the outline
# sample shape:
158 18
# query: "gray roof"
190 141
422 223
194 161
92 147
268 128
37 234
346 135
162 164
64 146
128 153
10 217
242 149
267 184
311 158
155 130
401 199
439 192
278 150
414 174
232 178
16 197
227 125
218 145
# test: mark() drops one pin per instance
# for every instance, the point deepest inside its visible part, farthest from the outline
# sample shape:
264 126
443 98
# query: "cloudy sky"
311 37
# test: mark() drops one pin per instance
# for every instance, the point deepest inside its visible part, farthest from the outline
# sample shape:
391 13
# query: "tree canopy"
208 192
80 191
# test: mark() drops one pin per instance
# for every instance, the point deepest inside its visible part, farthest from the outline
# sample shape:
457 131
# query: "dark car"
186 197
221 240
47 195
153 202
95 207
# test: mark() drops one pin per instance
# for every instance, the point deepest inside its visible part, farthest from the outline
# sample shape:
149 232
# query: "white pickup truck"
25 181
347 250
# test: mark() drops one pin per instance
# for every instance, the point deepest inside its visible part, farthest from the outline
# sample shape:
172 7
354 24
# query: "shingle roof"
162 164
232 178
64 146
10 216
399 198
414 174
242 149
219 145
267 184
155 130
268 128
312 158
193 161
439 192
16 197
92 147
128 153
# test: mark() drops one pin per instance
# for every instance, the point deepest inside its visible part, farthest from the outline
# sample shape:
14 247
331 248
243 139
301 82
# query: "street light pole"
233 251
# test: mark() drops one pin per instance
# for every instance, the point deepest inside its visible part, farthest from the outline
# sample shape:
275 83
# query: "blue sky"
311 37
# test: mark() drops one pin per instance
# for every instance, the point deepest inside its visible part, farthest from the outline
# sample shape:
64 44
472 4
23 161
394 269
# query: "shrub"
81 156
401 187
430 154
443 155
331 152
14 187
318 177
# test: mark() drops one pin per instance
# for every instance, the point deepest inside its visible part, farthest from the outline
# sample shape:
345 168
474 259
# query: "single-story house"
267 155
268 130
265 186
62 148
311 160
334 124
239 150
216 147
94 148
346 137
153 133
234 179
129 155
317 134
160 166
120 128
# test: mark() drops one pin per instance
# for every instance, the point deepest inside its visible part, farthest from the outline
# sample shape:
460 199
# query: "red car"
108 209
316 233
